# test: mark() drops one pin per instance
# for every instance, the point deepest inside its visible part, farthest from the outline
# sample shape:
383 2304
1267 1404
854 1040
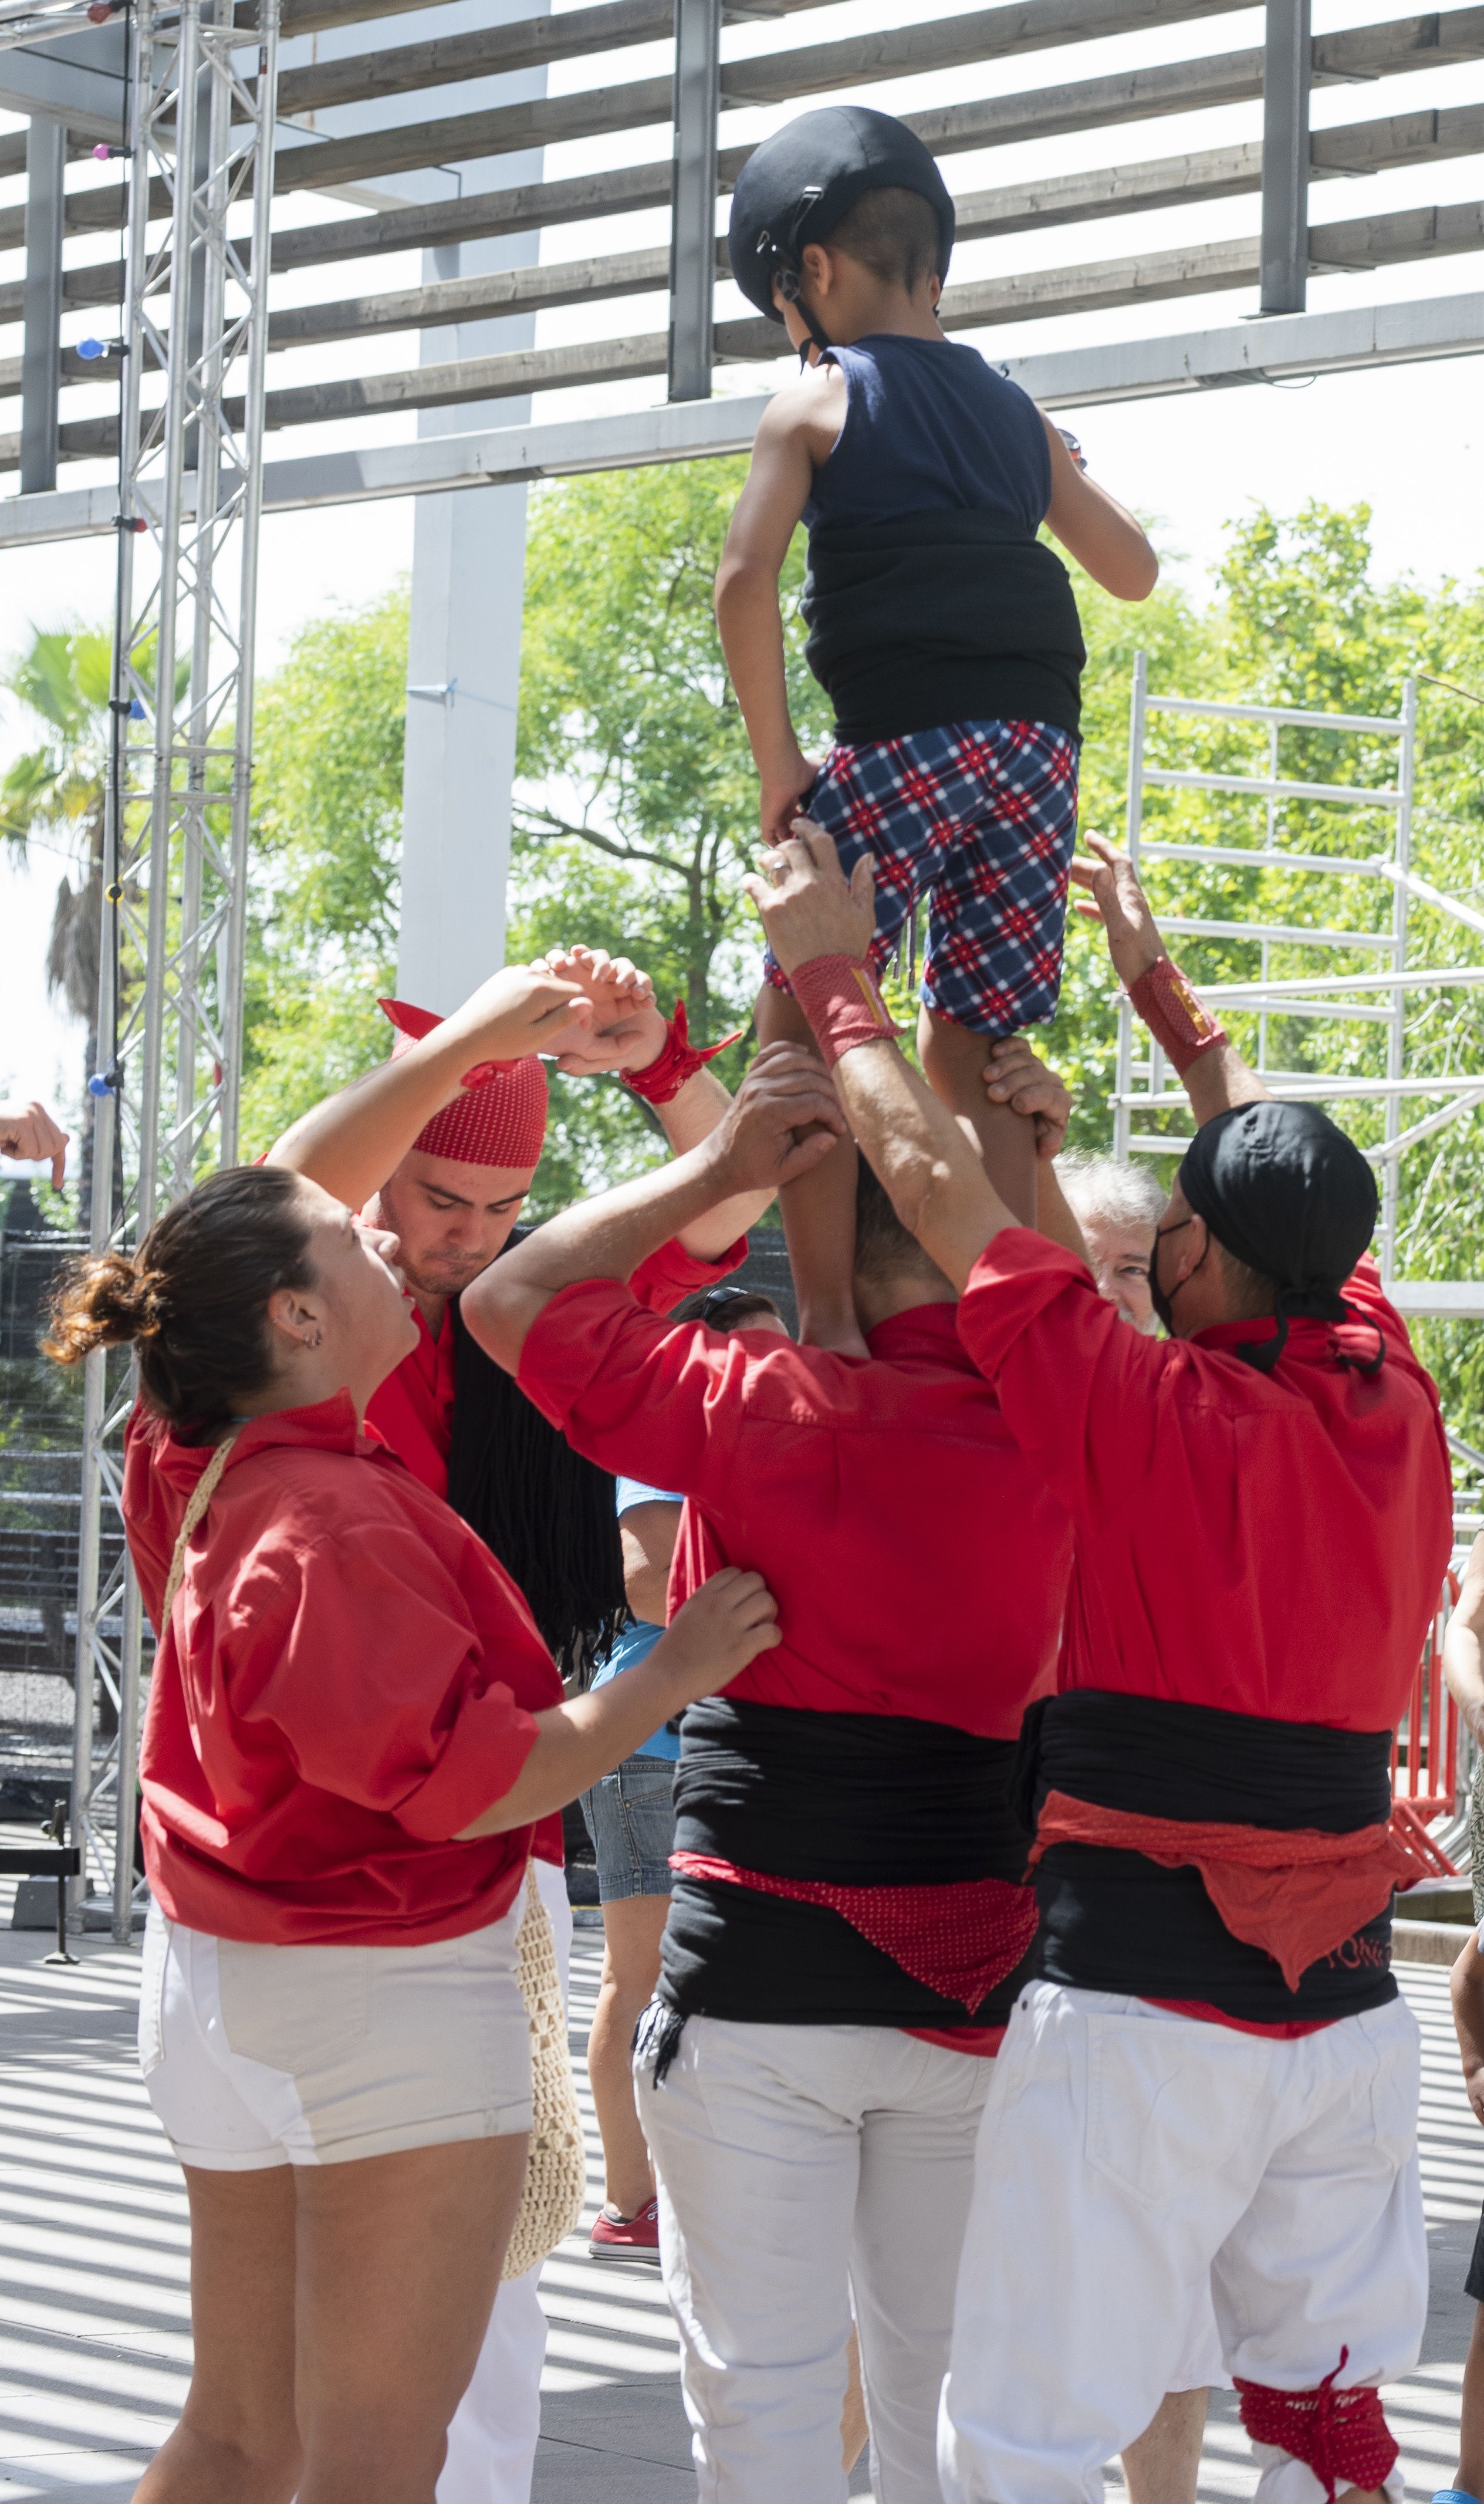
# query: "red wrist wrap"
840 997
1342 2436
1173 1013
677 1060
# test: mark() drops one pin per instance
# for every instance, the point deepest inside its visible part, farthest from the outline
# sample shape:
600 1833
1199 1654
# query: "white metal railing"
1141 1087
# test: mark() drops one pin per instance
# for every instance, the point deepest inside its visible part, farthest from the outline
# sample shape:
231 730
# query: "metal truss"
176 828
1326 999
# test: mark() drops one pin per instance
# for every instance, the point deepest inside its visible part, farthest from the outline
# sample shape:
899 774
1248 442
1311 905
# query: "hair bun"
105 1300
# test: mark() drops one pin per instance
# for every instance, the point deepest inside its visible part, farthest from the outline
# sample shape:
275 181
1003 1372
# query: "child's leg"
955 1058
819 1210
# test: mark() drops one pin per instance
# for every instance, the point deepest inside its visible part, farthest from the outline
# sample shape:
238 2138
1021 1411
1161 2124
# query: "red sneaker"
615 2238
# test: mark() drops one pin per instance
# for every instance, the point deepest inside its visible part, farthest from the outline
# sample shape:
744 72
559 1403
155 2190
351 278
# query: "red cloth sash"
1342 2436
1298 1895
958 1939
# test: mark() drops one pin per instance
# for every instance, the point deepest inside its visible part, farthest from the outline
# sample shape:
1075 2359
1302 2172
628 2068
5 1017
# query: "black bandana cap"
1286 1192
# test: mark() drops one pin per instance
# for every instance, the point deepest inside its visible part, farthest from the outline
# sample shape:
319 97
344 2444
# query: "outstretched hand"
1014 1076
1122 906
28 1134
807 908
785 1118
627 1026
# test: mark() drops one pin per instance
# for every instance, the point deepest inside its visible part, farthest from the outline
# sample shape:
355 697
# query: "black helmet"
796 188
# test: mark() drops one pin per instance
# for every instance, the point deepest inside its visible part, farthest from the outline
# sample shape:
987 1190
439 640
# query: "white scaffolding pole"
176 835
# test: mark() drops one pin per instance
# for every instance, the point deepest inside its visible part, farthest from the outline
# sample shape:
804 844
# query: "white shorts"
258 2055
1142 2166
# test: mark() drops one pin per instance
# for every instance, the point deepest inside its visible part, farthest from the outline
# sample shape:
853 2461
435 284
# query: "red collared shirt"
1267 1544
413 1409
347 1679
920 1567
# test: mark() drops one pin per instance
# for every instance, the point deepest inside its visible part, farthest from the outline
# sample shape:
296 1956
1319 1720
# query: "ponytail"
193 1299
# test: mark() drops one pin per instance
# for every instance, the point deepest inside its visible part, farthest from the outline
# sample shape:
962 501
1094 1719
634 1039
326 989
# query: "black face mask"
1163 1304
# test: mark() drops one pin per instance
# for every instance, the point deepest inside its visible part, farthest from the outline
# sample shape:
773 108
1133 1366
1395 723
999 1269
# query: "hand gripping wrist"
1172 1010
843 1003
676 1060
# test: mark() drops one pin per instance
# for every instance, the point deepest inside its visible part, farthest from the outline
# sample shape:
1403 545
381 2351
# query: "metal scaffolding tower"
1334 1002
176 829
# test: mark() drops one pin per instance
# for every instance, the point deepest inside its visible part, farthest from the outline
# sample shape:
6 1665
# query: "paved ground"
95 2344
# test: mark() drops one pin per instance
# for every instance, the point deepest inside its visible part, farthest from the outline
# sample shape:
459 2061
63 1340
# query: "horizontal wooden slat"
1356 53
1359 51
488 51
1354 243
986 34
1207 174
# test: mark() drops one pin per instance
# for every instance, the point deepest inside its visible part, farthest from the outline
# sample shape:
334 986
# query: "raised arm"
1214 1074
351 1142
931 1174
785 1118
1091 526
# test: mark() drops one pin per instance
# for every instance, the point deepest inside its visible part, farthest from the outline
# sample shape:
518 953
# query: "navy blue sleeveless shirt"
929 598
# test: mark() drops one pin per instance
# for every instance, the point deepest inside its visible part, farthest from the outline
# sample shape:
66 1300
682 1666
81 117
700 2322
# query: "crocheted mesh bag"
556 2168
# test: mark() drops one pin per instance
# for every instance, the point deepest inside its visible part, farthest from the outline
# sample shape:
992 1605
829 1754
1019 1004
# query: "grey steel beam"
1286 59
1360 339
693 199
41 354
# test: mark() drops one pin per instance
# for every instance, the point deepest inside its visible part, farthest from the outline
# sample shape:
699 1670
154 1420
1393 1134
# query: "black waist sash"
1112 1921
859 1799
941 617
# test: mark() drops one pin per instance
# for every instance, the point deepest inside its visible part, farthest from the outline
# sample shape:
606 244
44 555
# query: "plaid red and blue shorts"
980 818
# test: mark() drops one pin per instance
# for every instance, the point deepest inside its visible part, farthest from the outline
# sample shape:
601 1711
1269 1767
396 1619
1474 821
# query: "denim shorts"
631 1818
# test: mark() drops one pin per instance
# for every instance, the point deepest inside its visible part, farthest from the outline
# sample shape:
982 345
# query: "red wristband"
677 1060
1174 1015
843 1003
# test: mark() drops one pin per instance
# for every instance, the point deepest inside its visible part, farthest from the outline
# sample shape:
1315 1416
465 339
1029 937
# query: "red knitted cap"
499 1117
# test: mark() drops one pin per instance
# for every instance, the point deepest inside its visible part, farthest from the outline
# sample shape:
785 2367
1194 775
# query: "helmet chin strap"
791 288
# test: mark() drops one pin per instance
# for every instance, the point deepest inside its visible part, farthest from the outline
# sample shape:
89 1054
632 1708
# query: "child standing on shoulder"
943 630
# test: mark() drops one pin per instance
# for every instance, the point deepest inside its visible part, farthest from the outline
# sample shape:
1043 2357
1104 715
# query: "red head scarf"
498 1118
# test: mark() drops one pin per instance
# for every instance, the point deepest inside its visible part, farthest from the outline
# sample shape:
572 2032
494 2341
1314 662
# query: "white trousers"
1128 2160
795 2162
493 2438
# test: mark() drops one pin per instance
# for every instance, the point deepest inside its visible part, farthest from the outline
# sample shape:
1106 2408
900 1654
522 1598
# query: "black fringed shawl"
539 1507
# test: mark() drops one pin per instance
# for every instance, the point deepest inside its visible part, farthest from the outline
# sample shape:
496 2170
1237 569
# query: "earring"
315 1341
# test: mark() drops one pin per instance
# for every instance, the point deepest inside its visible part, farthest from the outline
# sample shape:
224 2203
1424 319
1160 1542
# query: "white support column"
468 571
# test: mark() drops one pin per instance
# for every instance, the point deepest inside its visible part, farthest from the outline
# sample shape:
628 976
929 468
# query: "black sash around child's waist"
863 1809
940 618
1294 1814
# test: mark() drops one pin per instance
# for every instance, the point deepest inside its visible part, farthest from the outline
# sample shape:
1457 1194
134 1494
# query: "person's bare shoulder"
809 409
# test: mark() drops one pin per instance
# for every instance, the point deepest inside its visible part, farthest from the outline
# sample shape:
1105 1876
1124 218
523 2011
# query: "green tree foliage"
632 746
327 801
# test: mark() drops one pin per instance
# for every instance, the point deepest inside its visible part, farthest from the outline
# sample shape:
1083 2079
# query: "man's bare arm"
1221 1077
932 1176
757 1147
351 1142
630 1031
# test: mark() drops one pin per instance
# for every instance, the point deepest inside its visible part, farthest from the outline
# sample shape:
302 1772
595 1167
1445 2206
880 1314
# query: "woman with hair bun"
353 1726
